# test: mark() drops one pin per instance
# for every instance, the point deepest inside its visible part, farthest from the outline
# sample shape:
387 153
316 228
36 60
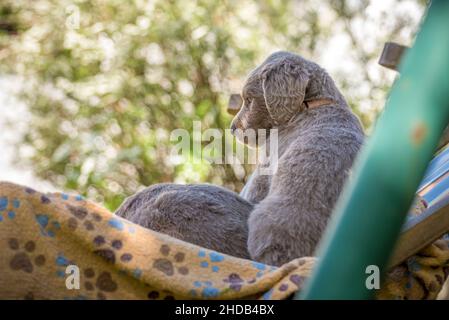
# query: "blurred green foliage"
107 81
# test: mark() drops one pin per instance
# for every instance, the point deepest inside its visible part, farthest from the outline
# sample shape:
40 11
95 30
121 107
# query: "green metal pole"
369 215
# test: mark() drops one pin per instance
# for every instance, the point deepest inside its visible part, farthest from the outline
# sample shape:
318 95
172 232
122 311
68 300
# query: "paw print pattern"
109 253
160 295
296 279
25 259
62 262
66 196
30 190
210 260
82 216
121 225
8 208
169 267
267 295
235 282
43 198
103 283
262 268
48 227
204 289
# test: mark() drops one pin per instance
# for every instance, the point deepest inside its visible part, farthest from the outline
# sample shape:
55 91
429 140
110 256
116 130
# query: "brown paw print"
81 215
25 260
103 283
160 295
166 265
109 254
235 282
297 280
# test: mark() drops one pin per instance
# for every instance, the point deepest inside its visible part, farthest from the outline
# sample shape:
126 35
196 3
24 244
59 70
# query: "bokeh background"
90 90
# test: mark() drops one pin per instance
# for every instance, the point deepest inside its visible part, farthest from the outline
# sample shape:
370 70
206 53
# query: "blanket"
62 246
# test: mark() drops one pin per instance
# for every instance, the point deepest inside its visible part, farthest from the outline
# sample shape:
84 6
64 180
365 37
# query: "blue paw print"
260 267
66 196
204 289
267 295
62 262
121 225
8 208
48 228
214 257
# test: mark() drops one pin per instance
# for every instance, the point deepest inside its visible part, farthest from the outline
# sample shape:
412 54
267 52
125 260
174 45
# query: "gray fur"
316 150
202 214
288 211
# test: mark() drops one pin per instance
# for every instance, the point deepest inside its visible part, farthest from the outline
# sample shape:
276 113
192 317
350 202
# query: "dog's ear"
284 87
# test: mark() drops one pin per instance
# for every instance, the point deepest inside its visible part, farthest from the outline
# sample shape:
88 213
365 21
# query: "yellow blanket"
49 241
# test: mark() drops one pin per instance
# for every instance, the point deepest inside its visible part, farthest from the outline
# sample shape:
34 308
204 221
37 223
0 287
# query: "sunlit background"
90 90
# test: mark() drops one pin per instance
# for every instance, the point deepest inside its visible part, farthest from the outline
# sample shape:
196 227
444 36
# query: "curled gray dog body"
203 214
281 216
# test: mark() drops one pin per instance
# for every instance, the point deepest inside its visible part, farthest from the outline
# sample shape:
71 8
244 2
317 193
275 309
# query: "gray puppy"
318 139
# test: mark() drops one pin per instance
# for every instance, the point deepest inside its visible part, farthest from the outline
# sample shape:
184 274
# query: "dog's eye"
247 102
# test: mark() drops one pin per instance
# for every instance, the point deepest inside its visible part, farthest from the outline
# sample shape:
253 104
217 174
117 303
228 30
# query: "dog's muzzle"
233 128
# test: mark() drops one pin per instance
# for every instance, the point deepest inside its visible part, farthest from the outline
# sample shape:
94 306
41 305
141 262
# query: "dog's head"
273 94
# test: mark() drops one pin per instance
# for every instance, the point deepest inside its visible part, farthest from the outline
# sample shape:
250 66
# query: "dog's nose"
233 128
